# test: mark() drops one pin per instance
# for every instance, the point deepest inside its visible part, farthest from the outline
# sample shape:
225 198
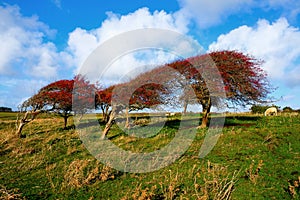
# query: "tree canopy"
133 95
57 97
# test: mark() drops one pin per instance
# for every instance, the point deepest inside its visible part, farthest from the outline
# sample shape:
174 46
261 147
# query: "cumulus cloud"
291 8
82 42
277 43
28 60
141 18
24 48
209 13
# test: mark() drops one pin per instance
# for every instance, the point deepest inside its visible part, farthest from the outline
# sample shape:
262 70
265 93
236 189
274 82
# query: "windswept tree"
57 97
222 77
103 101
30 108
138 94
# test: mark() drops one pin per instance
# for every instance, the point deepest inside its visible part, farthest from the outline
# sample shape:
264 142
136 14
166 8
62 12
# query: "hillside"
256 157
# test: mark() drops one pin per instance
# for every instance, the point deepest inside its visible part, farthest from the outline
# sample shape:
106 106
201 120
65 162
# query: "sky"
49 40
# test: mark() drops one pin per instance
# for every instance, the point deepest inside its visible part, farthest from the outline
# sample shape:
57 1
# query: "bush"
261 109
287 109
258 108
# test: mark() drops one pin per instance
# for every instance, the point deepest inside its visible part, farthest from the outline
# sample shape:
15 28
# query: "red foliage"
243 78
235 73
83 95
131 95
147 95
58 97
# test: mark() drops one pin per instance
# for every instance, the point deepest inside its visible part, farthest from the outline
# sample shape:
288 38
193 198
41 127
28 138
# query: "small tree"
258 109
30 111
57 97
103 101
133 95
287 109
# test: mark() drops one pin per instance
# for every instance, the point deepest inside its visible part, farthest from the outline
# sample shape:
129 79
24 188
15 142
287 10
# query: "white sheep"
271 111
170 114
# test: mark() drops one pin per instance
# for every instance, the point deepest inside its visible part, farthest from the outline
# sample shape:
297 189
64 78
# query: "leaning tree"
128 96
144 91
219 78
103 101
57 97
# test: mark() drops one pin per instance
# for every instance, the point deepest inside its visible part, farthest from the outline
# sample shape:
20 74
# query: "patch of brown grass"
80 173
74 176
218 183
294 188
253 171
6 194
141 194
172 188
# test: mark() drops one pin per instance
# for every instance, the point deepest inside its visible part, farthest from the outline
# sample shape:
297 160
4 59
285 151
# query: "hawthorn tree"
137 94
237 75
84 95
121 98
30 110
103 101
57 97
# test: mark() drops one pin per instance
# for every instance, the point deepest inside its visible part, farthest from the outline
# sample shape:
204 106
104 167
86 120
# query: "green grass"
255 158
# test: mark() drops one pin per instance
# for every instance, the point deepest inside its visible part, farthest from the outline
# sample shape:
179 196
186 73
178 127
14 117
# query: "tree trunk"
25 121
127 118
205 111
109 123
105 113
204 122
65 121
185 105
20 128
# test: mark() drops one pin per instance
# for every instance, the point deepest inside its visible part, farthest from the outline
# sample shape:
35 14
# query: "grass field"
255 157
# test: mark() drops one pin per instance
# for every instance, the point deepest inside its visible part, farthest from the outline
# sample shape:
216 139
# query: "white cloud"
130 65
14 91
57 3
82 42
291 8
28 60
141 18
24 47
208 13
278 44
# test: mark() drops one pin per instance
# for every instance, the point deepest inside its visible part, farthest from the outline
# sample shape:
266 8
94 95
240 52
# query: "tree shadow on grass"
174 124
245 121
230 121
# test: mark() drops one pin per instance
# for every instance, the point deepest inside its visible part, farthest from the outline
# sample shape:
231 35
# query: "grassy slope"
51 163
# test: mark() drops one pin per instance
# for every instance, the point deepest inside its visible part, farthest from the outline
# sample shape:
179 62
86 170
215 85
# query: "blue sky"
44 41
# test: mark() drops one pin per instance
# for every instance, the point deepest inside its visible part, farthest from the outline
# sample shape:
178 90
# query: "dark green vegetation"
255 158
